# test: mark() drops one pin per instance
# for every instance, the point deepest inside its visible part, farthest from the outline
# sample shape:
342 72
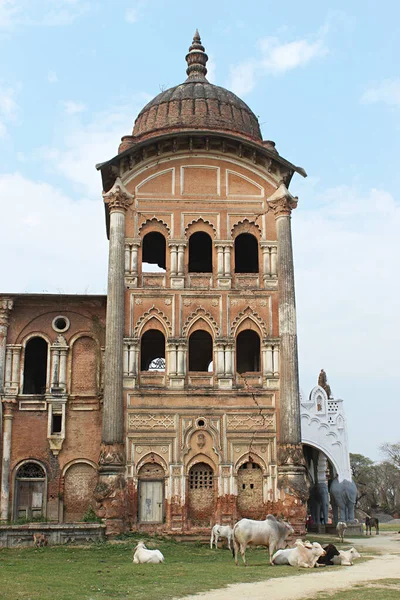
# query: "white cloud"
276 57
387 92
90 139
8 108
53 243
131 15
211 69
73 108
40 13
52 77
8 13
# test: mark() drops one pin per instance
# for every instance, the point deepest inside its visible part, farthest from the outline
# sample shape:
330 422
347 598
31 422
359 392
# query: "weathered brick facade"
199 420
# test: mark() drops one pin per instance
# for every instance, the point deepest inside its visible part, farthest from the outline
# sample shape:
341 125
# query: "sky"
324 80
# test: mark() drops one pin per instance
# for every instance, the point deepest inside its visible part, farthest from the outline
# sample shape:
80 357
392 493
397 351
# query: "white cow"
346 557
144 555
305 555
270 532
340 529
223 531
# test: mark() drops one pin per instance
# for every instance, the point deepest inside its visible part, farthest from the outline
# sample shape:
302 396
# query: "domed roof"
197 104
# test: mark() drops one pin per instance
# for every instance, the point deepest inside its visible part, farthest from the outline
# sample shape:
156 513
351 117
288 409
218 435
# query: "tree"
392 453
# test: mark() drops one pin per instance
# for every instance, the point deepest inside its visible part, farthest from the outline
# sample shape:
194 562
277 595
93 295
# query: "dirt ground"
384 565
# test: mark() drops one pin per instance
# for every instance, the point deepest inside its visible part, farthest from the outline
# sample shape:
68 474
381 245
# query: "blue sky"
324 80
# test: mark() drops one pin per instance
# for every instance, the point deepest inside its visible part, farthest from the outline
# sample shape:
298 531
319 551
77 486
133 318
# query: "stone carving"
201 440
200 313
291 454
138 301
152 312
248 422
249 313
215 301
110 501
187 302
6 305
282 202
118 196
149 421
112 455
167 301
323 382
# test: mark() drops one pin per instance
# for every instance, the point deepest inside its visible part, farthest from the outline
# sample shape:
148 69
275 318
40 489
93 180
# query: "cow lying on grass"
143 555
270 532
346 557
330 552
304 555
223 531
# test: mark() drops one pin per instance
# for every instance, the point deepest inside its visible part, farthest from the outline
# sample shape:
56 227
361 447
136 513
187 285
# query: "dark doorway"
200 351
246 253
152 351
247 351
35 366
200 253
154 250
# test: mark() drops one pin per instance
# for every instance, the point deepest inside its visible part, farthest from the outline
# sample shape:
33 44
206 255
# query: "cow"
340 528
39 540
305 555
346 557
143 555
330 552
371 522
223 531
270 532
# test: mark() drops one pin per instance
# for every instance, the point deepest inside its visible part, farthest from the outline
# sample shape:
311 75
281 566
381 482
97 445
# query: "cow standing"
270 532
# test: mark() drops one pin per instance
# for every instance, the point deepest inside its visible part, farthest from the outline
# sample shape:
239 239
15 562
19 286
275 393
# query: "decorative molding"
156 313
200 220
282 202
6 306
161 225
200 313
118 197
249 313
245 226
250 422
150 421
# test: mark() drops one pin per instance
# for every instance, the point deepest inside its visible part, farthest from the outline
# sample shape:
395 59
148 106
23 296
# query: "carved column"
8 409
6 305
292 470
110 490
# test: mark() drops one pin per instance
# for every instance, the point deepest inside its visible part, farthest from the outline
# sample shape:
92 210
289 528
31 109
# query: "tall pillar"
110 490
6 305
291 461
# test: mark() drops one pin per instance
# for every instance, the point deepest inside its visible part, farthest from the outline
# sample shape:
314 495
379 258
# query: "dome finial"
196 60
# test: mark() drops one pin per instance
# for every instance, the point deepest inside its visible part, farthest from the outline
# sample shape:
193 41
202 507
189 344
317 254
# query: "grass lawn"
106 572
383 589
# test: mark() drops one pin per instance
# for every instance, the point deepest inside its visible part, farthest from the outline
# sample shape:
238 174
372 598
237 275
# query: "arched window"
200 253
35 366
201 494
246 253
80 480
153 252
200 351
152 351
30 488
247 351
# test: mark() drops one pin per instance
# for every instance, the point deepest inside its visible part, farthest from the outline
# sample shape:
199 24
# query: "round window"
60 324
201 423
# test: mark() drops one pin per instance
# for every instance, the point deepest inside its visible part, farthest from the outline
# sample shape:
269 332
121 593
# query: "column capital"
282 202
118 197
6 306
9 405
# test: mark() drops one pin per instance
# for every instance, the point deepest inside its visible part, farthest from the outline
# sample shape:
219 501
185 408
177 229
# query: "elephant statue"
319 503
343 499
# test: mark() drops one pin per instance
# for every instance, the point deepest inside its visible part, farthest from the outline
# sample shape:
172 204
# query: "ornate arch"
251 457
249 313
201 458
154 224
156 313
78 461
208 227
151 457
198 314
246 226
